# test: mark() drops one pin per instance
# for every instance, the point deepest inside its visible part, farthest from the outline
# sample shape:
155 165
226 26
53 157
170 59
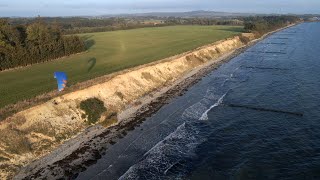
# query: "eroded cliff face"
35 132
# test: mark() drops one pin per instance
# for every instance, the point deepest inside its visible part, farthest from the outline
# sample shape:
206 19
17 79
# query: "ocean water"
256 117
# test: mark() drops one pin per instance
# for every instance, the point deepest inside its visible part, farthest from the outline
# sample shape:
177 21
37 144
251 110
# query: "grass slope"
108 52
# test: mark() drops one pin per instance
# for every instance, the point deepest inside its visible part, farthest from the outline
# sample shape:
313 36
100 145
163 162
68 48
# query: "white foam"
160 159
204 116
230 77
195 111
180 144
210 94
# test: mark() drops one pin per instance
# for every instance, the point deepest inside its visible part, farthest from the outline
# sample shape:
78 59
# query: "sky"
32 8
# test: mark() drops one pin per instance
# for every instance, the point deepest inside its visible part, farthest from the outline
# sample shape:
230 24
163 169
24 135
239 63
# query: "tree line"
76 25
25 44
263 24
202 21
134 23
79 30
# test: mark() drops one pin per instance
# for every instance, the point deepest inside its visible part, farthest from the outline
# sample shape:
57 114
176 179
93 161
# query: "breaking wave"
205 114
170 158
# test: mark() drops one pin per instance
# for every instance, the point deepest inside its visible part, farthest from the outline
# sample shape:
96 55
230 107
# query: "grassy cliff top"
109 52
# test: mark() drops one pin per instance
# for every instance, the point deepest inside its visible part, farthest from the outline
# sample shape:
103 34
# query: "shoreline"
97 139
32 135
85 149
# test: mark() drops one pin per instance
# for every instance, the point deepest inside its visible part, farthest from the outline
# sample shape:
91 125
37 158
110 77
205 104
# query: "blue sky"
101 7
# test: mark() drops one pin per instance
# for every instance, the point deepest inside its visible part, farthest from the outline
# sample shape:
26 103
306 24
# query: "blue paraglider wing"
61 80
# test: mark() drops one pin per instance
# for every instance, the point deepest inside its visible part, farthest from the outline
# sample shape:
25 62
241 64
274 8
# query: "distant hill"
191 14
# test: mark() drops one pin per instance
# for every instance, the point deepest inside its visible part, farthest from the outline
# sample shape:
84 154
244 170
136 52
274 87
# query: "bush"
93 109
244 39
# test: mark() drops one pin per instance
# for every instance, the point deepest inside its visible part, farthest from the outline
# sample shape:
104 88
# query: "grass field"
108 52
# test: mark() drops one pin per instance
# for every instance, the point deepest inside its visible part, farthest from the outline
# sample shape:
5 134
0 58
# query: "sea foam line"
204 116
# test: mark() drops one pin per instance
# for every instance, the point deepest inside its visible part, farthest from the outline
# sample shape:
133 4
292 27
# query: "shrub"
93 109
244 39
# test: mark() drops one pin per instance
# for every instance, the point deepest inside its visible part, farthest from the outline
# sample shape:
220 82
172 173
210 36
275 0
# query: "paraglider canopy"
61 80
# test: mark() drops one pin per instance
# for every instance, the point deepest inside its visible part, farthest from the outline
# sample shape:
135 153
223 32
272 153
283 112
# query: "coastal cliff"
37 131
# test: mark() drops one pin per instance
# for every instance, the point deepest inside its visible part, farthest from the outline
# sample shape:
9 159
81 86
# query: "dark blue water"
256 117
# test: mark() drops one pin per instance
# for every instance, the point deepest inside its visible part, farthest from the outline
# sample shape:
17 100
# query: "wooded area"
76 25
22 45
263 24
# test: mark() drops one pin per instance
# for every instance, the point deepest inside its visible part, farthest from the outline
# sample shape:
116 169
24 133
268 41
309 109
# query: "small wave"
195 111
170 158
162 159
165 159
230 77
210 94
205 114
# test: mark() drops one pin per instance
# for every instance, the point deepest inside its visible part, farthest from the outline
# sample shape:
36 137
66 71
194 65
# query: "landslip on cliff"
33 133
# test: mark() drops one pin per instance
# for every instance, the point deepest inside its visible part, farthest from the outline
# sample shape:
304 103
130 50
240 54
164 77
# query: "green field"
109 52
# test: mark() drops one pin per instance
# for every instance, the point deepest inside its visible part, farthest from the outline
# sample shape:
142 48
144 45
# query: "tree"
21 45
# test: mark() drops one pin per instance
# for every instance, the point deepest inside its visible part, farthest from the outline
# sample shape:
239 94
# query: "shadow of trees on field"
87 37
92 62
88 41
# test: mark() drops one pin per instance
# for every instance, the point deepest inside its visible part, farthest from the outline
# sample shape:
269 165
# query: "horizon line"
154 12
